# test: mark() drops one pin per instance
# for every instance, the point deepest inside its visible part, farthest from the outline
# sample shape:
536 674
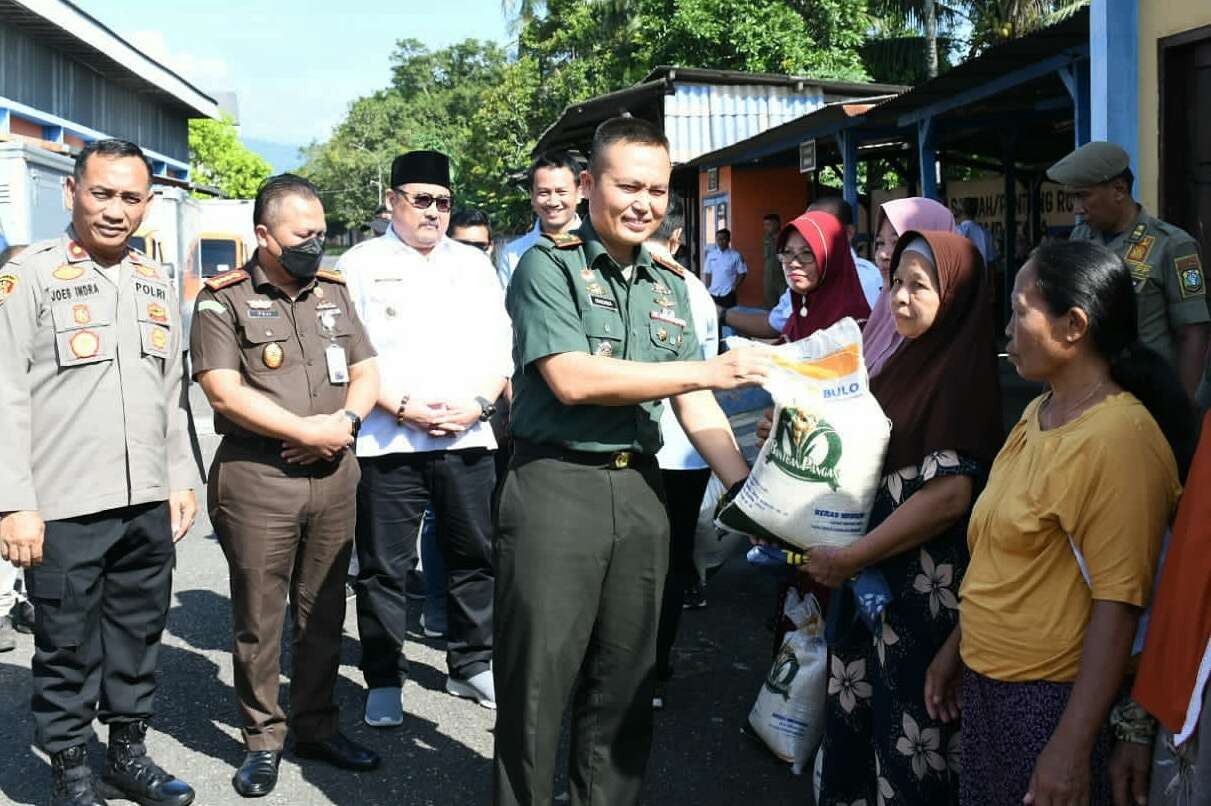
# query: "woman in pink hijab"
879 338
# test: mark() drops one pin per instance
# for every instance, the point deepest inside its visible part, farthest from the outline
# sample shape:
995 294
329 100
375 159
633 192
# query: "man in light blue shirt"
554 181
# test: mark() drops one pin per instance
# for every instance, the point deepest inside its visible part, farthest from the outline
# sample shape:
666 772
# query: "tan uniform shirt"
91 384
1170 289
279 346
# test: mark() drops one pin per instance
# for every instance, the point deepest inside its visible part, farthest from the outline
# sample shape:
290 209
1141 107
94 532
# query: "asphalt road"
442 753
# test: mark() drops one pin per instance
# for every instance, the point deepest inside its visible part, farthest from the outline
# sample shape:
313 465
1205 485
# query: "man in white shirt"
684 472
724 271
554 181
969 228
436 316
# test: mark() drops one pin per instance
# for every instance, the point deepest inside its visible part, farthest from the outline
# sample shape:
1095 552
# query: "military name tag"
603 302
338 365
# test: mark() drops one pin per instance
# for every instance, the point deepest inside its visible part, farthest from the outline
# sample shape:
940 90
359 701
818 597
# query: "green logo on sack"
783 672
806 447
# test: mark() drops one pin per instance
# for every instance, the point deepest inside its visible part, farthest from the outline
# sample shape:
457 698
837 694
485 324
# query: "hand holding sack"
815 479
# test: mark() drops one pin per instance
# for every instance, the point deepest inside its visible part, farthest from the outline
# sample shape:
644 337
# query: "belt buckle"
622 460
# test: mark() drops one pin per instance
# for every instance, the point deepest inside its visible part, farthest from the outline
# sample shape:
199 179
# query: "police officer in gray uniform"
98 476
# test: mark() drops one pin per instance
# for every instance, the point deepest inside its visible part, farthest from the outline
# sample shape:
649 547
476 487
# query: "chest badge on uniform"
81 315
8 284
657 288
668 316
84 344
595 288
67 272
319 292
159 338
664 302
605 349
587 274
391 312
260 304
662 334
144 270
1138 252
157 313
272 355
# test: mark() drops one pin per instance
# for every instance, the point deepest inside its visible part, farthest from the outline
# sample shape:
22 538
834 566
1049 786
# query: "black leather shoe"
131 774
258 775
73 780
339 752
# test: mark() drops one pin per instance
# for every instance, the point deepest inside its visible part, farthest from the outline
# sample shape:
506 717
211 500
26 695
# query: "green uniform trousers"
581 557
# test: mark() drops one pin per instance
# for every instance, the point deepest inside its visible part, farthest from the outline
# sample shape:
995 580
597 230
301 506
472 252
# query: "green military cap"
1091 164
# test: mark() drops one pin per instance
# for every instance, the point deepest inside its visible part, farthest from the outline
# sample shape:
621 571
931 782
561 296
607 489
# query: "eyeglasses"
423 201
802 258
482 246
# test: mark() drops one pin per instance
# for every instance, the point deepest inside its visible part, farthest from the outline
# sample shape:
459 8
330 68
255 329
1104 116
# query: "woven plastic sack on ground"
814 482
788 715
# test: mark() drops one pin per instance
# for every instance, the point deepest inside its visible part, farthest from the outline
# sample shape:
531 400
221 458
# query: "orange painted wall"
24 127
755 192
72 140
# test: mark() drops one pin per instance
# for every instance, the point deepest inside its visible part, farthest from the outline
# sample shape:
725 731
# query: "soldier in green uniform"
1169 283
602 333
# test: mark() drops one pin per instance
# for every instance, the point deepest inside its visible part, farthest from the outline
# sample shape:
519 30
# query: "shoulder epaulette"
670 264
226 278
331 275
563 240
75 252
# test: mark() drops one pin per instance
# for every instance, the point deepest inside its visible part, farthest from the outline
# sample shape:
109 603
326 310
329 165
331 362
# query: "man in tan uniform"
1170 287
290 372
97 476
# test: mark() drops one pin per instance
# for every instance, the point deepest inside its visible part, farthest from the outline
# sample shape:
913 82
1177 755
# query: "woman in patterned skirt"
899 603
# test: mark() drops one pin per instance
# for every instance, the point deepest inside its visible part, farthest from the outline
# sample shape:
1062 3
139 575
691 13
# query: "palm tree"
907 37
994 21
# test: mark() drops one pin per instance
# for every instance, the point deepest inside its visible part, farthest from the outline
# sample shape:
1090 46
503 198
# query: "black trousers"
101 600
683 491
582 553
392 496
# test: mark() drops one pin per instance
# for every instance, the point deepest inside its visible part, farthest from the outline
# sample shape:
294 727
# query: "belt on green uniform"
612 460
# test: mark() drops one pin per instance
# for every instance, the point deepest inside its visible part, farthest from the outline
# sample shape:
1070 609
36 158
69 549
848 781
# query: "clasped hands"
322 438
441 418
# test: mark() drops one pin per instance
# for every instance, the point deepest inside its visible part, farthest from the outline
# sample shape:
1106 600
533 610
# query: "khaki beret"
1091 164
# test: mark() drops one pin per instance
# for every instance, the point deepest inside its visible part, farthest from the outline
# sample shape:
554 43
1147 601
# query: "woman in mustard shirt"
1064 539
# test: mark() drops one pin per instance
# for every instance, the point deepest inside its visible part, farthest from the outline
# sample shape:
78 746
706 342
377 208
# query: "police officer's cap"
422 167
1091 164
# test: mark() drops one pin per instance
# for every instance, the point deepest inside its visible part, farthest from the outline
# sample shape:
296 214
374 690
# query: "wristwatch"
487 409
353 418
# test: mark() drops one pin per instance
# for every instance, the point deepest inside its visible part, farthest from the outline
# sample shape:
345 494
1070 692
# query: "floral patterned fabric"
880 746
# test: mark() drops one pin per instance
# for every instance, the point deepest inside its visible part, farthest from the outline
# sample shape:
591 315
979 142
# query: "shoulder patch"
8 284
226 278
670 264
564 240
1190 276
331 275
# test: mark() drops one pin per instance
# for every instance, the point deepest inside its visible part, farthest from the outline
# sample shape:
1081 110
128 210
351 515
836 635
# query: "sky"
294 64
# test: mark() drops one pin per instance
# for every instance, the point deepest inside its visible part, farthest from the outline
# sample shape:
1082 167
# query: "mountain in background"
281 156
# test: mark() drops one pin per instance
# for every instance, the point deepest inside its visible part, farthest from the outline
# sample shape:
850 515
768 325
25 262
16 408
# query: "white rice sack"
814 482
714 545
788 715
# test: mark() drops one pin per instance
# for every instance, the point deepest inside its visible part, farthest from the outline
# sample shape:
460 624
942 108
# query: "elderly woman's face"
915 296
799 264
1037 345
885 244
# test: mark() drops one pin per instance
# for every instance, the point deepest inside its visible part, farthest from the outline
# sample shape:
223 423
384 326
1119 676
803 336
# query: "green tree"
218 158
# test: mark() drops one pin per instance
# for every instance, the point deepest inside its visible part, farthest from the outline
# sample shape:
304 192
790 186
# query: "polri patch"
8 284
1190 276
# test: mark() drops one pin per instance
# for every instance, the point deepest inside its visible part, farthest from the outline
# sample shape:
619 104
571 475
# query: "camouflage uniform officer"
290 372
1170 287
602 333
97 475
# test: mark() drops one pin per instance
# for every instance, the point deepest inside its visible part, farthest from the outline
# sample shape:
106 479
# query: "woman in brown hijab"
941 393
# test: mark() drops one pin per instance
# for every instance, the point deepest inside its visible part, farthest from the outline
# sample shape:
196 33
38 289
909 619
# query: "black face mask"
302 260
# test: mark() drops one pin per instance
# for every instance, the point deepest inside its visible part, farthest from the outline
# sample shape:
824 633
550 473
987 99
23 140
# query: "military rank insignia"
8 284
1137 233
1190 275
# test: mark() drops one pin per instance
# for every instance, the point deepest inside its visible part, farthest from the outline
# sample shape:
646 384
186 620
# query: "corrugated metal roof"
699 118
